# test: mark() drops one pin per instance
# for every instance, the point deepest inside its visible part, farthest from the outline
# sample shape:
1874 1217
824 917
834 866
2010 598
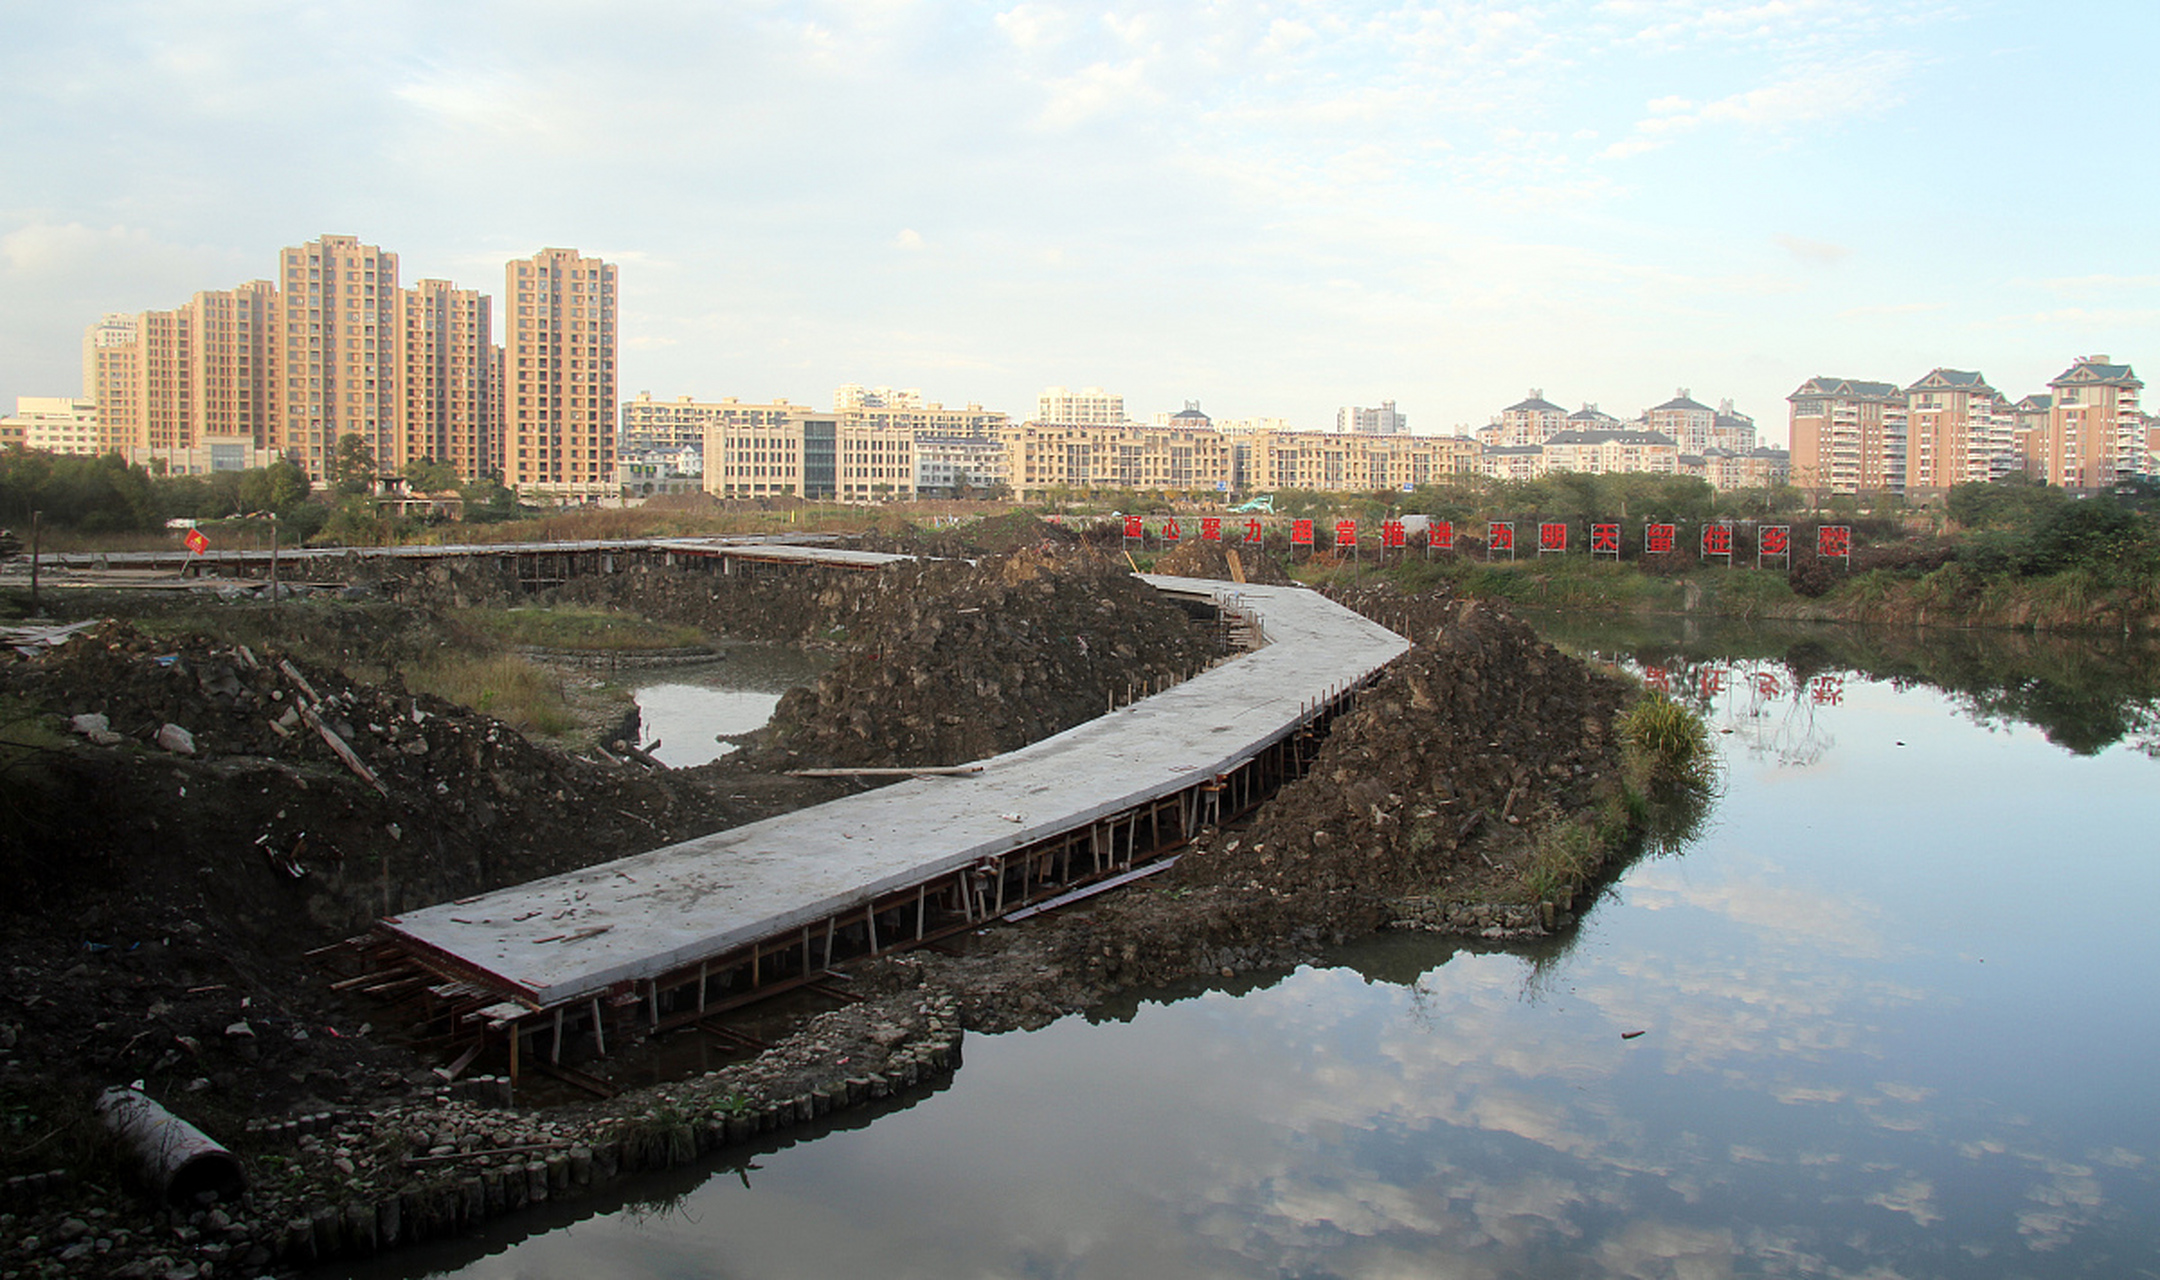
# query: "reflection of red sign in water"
1441 534
1828 691
1170 531
1712 681
1717 540
1346 533
196 542
1767 685
1657 679
1552 536
1605 539
1252 529
1834 541
1301 533
1391 533
1211 528
1776 539
1132 527
1500 536
1658 538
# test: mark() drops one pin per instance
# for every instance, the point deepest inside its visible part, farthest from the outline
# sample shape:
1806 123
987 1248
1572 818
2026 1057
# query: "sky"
1275 209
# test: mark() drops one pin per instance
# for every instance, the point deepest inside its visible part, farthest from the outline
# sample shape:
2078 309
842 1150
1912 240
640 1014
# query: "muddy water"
1894 1011
690 709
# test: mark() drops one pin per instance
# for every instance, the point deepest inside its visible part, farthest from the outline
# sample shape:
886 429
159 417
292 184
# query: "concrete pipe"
179 1161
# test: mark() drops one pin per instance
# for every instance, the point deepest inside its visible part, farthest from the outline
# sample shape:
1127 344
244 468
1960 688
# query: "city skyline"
1276 213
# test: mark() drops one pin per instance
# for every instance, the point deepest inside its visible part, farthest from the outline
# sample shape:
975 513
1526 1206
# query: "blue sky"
1275 209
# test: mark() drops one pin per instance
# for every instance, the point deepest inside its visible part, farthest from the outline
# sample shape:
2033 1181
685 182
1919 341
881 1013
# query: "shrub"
1666 744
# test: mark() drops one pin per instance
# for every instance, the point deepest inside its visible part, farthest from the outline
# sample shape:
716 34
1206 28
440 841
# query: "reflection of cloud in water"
2070 1198
1913 1196
1836 924
1665 1251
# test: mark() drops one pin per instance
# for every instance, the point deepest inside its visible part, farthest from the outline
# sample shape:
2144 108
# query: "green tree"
353 469
425 475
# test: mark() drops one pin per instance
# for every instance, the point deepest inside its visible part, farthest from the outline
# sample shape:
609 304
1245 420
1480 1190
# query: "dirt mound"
962 663
1195 558
1438 782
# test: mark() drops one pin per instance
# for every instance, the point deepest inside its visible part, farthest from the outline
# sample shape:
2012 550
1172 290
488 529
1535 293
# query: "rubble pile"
1198 558
967 663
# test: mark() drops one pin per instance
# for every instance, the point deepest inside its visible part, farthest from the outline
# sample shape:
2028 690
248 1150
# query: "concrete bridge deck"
626 931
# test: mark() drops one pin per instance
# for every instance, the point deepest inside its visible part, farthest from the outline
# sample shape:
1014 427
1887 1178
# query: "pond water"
689 709
1898 1006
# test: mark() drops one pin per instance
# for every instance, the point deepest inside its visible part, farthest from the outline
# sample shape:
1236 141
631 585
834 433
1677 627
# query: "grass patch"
1563 858
596 630
523 694
1666 744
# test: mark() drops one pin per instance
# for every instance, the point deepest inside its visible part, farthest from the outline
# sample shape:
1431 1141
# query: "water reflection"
693 711
2084 693
1888 1027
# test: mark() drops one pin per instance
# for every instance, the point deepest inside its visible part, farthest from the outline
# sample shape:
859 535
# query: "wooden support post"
830 921
555 1049
599 1031
757 971
652 1001
701 983
806 950
1000 873
922 894
869 916
515 1036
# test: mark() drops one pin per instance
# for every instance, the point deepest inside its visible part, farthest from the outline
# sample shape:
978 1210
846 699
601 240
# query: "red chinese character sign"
1773 542
1717 541
1301 533
1441 534
1211 528
1499 537
1391 534
1834 542
1659 539
1133 527
1605 541
1346 535
1170 530
1252 529
1551 537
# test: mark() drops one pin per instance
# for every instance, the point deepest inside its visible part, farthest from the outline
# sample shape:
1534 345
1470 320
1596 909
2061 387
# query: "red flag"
196 542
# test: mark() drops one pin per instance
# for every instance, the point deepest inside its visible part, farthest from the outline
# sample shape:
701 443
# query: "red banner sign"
1346 533
1170 531
1133 528
1252 529
1500 536
1211 528
1658 539
1552 536
196 542
1301 533
1391 533
1605 539
1717 540
1834 541
1776 540
1441 534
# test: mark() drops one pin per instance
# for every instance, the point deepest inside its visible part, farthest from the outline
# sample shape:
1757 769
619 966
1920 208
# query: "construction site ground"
161 900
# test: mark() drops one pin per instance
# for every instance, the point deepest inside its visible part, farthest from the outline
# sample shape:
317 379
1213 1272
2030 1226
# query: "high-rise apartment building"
451 411
1958 430
2095 433
340 352
1383 421
1846 435
1087 407
1531 420
559 353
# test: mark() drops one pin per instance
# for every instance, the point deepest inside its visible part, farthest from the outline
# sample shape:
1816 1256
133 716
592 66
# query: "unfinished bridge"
680 934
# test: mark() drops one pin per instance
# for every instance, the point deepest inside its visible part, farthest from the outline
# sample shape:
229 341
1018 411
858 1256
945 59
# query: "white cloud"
910 240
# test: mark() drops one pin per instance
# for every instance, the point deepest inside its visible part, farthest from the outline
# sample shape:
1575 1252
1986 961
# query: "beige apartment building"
1532 420
1846 435
452 408
1958 429
1691 426
559 355
1046 456
789 450
1614 450
339 352
2095 434
1087 407
1331 462
54 424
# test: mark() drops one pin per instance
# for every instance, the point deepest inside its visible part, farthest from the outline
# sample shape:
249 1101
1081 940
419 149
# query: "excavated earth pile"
1197 558
1434 786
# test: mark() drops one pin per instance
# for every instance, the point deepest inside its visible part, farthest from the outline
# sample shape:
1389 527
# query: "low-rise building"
1612 450
54 424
